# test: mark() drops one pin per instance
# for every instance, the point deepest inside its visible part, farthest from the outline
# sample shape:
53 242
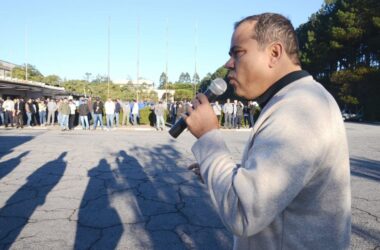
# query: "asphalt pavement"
130 189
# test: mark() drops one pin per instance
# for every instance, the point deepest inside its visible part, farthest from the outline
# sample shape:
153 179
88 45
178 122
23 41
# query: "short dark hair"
272 27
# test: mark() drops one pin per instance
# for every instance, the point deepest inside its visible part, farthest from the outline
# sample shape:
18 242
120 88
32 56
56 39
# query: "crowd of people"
68 112
89 112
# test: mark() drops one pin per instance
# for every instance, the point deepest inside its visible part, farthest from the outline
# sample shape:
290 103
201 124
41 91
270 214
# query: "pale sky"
69 38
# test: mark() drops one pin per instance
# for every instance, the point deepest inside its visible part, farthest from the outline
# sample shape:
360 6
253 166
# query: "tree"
196 78
340 46
181 77
183 94
87 74
52 80
100 79
163 80
33 73
187 78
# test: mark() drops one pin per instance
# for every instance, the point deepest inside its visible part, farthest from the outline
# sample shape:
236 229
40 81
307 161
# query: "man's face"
248 64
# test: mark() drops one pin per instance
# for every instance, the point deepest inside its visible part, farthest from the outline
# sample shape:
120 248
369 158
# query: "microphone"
216 88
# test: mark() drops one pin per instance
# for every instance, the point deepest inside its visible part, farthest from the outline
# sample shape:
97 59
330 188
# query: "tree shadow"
7 166
369 169
7 143
99 225
21 205
173 205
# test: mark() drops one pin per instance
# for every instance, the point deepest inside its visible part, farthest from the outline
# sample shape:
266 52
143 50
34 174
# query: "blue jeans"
227 120
251 120
59 118
42 117
109 118
2 118
65 121
134 119
117 119
98 117
29 115
84 121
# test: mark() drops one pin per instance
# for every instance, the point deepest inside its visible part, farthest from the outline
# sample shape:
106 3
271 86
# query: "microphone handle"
181 125
178 128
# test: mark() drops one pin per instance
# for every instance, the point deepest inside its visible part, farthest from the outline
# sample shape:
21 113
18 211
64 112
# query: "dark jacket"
98 108
20 106
117 107
83 109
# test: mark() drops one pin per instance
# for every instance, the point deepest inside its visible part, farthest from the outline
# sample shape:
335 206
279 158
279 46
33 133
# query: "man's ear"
276 51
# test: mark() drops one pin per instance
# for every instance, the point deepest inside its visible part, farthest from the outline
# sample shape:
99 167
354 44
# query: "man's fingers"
192 166
195 102
202 98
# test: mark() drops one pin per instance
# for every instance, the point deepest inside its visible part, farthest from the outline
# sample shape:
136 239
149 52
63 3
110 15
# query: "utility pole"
166 67
108 57
195 54
26 52
138 55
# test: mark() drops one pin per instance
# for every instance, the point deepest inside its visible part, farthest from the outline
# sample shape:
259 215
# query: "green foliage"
361 87
147 116
163 80
32 71
145 113
182 94
123 92
340 46
52 80
184 78
196 78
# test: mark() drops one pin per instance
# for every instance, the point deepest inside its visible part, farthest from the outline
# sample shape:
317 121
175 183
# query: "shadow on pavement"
366 168
7 143
178 210
21 205
7 166
150 203
99 224
365 234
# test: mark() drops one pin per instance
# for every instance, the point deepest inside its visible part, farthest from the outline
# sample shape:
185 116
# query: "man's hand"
196 170
201 118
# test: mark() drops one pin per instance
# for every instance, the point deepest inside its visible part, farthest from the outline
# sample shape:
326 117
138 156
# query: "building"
6 69
148 84
13 87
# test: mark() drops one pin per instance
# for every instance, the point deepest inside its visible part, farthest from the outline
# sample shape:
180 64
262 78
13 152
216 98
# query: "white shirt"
9 105
109 107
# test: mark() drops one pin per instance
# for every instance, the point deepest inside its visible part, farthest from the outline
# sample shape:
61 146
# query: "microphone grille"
218 86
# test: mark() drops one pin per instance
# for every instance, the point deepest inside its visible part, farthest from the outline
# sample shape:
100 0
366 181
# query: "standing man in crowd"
73 108
117 112
227 110
135 112
9 107
159 111
292 189
65 113
83 114
253 107
217 110
98 113
126 113
42 111
90 105
109 107
51 107
19 112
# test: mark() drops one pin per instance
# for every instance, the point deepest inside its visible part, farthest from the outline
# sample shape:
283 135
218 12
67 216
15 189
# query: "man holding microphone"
292 189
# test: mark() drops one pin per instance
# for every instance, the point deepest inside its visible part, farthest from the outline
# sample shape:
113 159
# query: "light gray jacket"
292 190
